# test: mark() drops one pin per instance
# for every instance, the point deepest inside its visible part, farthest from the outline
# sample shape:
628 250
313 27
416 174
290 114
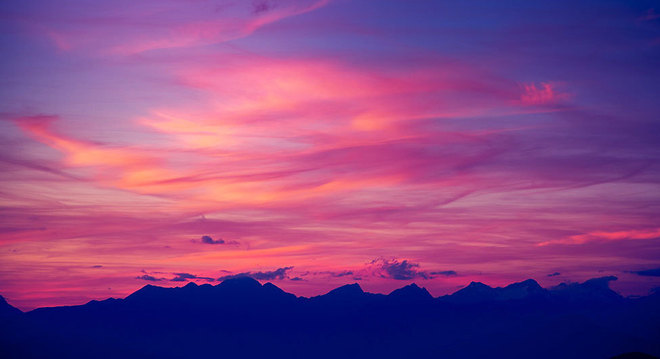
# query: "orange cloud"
236 178
80 153
193 133
118 165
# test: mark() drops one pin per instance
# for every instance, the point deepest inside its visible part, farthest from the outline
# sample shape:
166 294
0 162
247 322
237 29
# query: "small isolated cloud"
541 94
97 266
334 274
296 279
210 240
355 275
404 270
149 278
184 277
655 272
554 274
279 273
342 273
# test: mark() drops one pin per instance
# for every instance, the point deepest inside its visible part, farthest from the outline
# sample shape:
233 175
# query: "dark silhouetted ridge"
240 284
148 292
529 285
241 318
592 290
522 290
475 292
411 292
191 285
7 310
346 291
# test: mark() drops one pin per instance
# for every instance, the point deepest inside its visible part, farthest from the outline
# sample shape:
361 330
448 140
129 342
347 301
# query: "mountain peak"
190 285
474 292
521 290
147 293
530 283
271 286
601 282
595 289
7 309
411 292
346 290
240 282
474 284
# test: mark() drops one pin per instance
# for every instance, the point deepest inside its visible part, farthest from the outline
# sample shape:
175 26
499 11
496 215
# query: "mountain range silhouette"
241 318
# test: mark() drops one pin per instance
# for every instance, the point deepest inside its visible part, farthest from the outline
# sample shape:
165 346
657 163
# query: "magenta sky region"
320 142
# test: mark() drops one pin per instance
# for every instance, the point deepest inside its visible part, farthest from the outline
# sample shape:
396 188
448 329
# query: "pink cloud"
635 234
121 30
545 93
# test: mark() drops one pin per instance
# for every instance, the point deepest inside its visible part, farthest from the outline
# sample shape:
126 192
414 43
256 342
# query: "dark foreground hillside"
240 318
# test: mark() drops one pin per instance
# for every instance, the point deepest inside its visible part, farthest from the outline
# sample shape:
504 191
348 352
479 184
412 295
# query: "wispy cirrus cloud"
635 234
120 30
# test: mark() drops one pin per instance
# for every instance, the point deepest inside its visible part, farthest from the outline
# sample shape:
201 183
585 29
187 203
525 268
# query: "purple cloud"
209 240
279 273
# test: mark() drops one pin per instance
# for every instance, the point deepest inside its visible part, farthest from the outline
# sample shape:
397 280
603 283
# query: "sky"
315 143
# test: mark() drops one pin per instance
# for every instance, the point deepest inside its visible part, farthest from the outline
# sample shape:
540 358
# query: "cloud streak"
405 270
635 234
277 274
119 31
654 272
184 277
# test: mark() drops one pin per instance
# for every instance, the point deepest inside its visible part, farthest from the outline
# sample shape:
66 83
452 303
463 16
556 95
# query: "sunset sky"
315 143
